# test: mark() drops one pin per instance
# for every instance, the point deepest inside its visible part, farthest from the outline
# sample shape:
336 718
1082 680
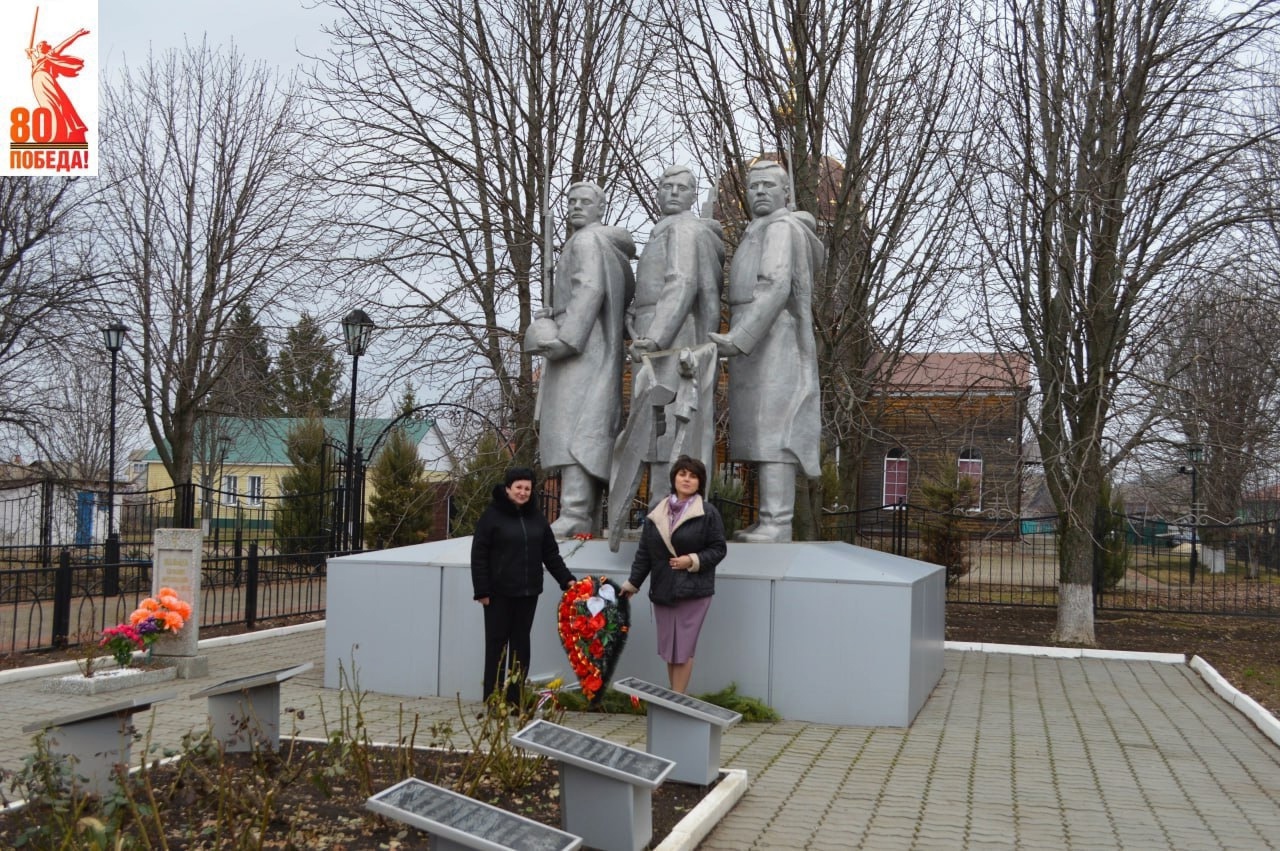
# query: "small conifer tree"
306 508
403 503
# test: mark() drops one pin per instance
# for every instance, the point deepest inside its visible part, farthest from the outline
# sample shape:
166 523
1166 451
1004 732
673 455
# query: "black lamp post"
1195 454
357 330
113 337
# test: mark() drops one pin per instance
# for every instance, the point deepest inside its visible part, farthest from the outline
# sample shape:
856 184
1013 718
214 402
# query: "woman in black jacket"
680 545
512 543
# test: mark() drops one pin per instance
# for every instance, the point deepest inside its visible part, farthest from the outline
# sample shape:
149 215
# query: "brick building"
949 415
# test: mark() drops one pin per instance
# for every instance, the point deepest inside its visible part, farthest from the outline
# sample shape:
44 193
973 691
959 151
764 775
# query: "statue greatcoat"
774 412
580 396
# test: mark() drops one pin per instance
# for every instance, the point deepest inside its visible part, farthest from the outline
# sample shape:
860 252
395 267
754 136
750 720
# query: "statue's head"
43 47
677 190
768 188
586 204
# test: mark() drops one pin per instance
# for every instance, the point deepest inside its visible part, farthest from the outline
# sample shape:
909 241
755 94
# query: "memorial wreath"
594 619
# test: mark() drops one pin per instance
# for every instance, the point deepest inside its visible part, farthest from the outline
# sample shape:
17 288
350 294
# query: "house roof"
958 372
262 441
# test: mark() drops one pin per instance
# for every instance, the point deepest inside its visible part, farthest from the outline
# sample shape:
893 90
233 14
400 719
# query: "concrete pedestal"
823 631
607 813
245 712
97 741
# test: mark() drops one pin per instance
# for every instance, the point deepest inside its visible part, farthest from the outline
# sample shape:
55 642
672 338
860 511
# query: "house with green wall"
240 462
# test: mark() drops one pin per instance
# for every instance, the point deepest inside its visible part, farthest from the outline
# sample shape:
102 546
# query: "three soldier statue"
670 311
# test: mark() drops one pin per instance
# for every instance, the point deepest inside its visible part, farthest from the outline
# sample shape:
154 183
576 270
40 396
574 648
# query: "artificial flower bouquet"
154 617
594 620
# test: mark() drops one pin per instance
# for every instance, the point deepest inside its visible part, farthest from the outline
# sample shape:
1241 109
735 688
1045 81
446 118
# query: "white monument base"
823 631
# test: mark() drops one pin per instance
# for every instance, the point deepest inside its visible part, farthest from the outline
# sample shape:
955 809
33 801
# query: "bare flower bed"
307 796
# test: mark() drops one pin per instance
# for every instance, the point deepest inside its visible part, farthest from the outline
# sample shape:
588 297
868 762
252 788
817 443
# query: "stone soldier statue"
676 307
581 335
774 417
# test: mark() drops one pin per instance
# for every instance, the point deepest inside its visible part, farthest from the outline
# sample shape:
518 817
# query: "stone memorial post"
176 564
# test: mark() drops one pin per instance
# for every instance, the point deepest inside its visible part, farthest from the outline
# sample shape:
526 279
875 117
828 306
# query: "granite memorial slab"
455 821
682 729
176 564
245 711
606 789
97 740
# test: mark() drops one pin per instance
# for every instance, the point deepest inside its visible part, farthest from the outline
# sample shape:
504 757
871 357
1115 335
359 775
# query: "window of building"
895 477
255 490
230 486
970 467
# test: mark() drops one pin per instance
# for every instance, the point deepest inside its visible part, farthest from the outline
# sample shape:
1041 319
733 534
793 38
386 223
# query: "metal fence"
1014 560
43 608
249 575
260 561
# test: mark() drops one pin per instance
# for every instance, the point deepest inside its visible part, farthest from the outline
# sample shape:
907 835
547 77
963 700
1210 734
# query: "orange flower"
592 684
166 607
596 649
596 623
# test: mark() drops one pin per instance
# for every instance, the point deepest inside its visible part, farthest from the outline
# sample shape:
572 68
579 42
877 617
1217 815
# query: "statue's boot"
579 498
777 505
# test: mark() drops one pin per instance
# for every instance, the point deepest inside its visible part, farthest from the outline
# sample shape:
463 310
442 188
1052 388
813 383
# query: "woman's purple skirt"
678 628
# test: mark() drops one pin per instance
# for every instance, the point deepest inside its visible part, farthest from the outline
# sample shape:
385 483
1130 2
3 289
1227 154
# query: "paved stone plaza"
1010 751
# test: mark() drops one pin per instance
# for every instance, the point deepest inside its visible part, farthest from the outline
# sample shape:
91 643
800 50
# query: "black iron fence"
257 567
68 605
1140 563
261 560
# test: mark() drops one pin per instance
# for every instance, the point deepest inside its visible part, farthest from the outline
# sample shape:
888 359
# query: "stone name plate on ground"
122 707
594 754
677 702
266 678
465 821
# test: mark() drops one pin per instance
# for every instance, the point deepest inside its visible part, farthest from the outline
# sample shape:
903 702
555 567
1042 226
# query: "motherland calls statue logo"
47 134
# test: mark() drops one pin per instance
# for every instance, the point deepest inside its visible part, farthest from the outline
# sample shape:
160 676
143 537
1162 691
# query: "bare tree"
73 440
1222 387
44 293
867 102
1110 160
204 215
451 123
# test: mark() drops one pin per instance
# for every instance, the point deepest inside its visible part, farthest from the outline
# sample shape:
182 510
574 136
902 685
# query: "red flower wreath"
593 622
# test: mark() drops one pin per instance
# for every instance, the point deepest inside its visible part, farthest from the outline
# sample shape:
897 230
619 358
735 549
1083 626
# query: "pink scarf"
676 508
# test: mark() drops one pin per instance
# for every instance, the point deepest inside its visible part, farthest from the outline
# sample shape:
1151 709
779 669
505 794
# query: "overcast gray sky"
271 30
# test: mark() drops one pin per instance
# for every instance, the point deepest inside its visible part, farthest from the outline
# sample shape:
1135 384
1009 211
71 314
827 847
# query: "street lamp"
1195 454
113 337
357 330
